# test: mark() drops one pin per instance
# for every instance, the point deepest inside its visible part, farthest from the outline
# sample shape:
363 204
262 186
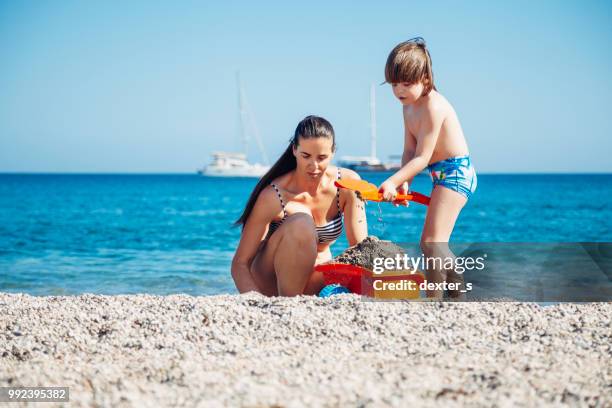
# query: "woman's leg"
284 266
444 208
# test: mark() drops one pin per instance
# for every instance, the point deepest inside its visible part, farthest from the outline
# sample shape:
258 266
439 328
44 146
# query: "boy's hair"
410 62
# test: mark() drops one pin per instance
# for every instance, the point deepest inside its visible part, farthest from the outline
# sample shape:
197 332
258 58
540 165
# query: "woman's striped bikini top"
326 233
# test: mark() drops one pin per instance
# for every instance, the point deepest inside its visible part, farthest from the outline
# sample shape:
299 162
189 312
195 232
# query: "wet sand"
249 350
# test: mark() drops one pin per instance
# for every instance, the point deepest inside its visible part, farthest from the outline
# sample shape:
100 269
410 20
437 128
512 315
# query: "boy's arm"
409 143
407 155
425 144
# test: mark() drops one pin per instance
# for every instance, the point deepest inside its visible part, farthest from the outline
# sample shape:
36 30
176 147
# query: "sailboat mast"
242 111
262 151
372 121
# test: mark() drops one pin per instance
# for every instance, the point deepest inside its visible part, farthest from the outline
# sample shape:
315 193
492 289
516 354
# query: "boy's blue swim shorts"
456 173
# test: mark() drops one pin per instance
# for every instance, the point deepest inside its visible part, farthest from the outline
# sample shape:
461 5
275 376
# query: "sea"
64 234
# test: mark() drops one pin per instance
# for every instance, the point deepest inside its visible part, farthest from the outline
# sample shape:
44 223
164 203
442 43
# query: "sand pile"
364 253
250 350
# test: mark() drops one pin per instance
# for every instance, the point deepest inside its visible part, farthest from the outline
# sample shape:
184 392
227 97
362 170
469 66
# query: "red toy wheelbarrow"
395 284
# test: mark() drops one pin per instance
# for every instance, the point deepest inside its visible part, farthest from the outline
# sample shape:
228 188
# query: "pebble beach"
253 351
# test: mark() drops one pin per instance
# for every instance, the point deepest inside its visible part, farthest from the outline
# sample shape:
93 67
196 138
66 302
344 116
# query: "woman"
293 216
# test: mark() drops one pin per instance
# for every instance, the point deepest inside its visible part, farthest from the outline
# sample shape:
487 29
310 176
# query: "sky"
150 86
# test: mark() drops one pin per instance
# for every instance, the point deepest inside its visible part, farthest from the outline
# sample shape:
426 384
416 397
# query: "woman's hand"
388 190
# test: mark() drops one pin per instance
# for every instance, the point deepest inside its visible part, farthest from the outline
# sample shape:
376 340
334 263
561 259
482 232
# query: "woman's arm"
355 220
253 233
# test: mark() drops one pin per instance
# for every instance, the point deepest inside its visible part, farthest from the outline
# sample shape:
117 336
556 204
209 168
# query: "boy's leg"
444 208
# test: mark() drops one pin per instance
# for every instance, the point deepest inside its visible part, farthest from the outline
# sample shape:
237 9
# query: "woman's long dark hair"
310 127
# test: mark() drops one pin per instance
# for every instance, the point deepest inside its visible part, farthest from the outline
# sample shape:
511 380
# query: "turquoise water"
69 234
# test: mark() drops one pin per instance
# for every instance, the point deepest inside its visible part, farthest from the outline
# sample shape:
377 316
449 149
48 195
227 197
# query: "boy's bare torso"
451 141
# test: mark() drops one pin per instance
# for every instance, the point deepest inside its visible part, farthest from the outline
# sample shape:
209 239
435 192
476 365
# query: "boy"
433 139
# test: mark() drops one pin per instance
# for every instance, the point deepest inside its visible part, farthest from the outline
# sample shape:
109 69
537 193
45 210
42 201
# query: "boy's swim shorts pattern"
455 173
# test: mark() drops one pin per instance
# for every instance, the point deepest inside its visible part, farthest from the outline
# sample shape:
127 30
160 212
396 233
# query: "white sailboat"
236 164
371 162
232 164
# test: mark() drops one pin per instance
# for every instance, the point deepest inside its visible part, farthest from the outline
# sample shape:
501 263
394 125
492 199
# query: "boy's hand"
388 190
403 189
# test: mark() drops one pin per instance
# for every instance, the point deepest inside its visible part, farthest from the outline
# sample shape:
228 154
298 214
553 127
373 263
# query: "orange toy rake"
368 191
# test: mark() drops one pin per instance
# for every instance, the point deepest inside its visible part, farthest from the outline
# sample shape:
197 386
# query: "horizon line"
195 173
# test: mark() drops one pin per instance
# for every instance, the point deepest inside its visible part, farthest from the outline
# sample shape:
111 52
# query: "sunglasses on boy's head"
417 40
